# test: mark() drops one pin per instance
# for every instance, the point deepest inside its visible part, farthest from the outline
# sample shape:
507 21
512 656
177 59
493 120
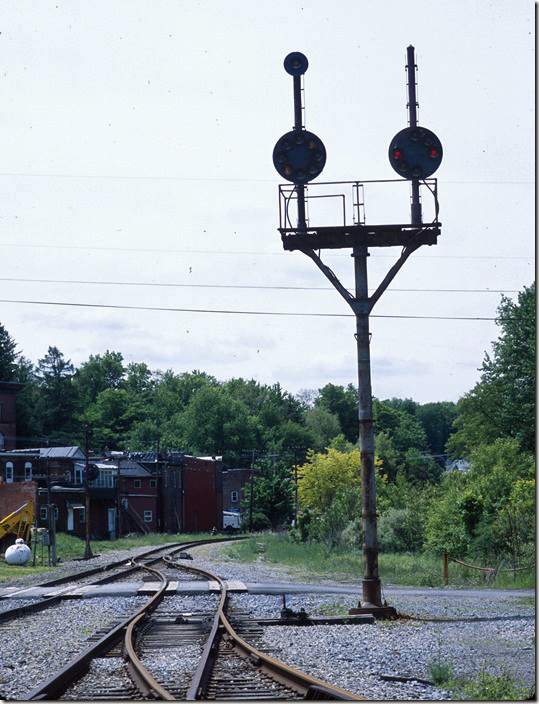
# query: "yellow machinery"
18 523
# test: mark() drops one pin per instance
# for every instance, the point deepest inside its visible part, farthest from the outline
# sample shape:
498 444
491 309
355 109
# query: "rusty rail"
310 687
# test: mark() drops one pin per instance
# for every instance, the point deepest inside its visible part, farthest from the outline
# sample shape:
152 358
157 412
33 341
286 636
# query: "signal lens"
397 154
434 153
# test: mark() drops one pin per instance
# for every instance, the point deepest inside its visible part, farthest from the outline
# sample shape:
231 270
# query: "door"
111 520
70 521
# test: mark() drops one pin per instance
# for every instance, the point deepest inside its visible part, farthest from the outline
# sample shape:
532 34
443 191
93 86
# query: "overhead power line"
160 284
149 250
236 312
126 177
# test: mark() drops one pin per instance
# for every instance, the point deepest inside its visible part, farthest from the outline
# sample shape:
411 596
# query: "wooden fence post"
446 569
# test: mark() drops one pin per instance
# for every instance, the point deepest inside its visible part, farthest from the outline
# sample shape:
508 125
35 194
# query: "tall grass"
312 559
399 569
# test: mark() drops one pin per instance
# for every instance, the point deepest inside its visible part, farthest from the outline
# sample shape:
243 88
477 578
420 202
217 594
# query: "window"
153 483
9 472
105 479
43 513
78 473
82 515
147 516
2 440
234 496
28 472
138 483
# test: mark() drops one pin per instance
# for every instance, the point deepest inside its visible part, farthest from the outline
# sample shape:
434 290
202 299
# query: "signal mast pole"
371 587
299 157
412 120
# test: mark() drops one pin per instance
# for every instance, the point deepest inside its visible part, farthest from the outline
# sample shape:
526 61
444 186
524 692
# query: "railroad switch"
300 615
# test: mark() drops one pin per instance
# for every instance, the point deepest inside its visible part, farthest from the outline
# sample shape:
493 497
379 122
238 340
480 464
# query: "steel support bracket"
380 613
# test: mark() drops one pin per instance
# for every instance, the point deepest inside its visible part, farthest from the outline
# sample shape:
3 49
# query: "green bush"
351 535
399 531
260 522
488 687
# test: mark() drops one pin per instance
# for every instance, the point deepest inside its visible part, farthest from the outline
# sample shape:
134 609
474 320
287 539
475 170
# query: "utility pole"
299 157
251 492
87 550
119 497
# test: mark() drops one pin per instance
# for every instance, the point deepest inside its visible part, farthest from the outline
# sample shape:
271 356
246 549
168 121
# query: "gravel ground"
357 658
40 644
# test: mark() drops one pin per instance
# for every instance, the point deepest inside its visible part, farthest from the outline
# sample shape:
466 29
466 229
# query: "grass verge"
399 569
483 687
68 547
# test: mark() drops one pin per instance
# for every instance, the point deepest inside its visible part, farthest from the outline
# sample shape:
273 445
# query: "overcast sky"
136 170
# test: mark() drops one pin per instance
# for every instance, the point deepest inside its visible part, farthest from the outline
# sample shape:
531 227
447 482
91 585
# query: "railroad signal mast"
300 156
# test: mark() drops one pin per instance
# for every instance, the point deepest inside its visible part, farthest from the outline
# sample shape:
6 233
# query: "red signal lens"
433 153
397 154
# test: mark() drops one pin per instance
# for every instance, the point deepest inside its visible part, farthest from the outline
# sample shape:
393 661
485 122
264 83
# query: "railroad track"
118 663
114 571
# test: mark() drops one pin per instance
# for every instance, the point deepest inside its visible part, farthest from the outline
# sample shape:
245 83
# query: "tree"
445 527
57 396
489 510
139 380
495 469
272 492
111 417
8 356
343 404
216 423
323 425
502 403
324 474
437 421
29 421
100 372
514 526
401 442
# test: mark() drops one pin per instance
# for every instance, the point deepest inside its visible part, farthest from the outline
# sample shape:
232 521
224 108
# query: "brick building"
133 492
234 483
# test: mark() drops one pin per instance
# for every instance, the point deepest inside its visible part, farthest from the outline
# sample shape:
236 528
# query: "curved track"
230 668
261 677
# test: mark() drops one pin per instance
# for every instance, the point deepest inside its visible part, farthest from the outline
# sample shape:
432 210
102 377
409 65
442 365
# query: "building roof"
73 452
128 468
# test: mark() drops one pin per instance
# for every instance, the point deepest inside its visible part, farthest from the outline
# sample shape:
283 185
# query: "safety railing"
489 572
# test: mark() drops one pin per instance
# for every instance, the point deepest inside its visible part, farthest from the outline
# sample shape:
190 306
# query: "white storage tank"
18 554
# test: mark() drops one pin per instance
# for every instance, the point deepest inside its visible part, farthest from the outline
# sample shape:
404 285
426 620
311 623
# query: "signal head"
415 153
296 63
299 156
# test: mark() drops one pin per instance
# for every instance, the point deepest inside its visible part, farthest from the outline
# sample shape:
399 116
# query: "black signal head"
415 153
296 63
299 156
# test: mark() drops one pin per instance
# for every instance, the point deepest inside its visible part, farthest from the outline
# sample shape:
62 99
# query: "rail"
310 687
52 688
140 675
